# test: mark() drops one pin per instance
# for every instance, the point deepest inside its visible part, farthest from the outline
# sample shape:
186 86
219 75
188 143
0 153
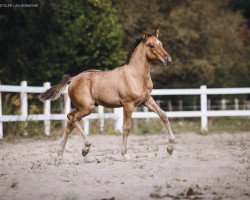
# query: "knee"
74 117
126 128
127 124
164 117
71 117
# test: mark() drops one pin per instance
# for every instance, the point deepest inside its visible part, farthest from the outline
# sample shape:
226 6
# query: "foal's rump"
55 91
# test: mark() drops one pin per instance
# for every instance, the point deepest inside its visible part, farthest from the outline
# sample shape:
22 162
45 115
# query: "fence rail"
117 115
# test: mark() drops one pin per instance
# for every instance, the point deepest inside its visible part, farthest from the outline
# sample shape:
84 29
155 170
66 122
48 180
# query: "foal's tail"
55 91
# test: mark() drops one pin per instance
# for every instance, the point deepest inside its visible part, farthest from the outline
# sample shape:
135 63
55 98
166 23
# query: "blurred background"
208 40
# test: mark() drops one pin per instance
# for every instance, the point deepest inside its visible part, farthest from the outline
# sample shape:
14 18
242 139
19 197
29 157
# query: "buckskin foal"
127 86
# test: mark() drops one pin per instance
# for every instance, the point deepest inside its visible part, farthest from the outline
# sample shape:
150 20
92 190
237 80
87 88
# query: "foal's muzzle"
168 60
165 60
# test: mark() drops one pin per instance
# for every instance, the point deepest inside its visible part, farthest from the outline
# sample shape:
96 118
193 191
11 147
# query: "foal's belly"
107 97
108 102
114 99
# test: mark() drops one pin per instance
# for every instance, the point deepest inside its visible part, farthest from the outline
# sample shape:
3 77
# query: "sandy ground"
215 166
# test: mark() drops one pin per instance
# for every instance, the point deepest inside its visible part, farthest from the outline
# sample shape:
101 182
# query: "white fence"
117 115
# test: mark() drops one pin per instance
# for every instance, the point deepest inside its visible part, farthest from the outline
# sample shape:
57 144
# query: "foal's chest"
145 93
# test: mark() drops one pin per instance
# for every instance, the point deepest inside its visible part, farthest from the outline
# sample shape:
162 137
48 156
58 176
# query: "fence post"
180 105
145 109
118 112
46 111
86 126
236 104
67 106
223 104
24 101
170 106
1 123
24 106
204 120
101 117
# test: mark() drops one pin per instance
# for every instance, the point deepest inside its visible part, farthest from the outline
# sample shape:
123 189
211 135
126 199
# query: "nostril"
168 60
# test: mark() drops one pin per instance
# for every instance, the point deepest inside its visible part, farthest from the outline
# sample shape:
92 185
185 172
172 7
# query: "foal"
127 86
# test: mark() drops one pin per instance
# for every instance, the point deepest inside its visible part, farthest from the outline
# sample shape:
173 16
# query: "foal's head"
154 48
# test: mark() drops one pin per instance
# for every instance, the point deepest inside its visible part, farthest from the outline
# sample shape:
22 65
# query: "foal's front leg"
127 122
150 103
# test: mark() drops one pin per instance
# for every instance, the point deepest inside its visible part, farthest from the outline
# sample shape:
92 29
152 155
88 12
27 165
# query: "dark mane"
132 48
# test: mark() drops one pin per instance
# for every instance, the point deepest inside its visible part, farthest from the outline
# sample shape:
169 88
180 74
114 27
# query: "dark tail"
55 91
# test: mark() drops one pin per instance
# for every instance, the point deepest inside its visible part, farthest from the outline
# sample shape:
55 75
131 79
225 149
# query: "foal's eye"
151 45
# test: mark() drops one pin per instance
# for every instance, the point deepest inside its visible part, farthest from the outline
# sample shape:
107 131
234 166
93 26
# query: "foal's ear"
145 35
157 31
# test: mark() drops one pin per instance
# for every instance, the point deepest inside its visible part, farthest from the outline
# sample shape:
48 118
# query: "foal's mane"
133 47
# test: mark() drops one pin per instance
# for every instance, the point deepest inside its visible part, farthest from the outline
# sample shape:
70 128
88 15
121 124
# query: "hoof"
58 161
126 157
60 155
170 149
85 150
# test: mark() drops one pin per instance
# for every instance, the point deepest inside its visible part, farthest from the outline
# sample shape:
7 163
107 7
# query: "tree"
41 44
243 6
207 40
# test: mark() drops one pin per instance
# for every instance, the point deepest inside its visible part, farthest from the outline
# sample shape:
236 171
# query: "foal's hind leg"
69 127
150 103
74 118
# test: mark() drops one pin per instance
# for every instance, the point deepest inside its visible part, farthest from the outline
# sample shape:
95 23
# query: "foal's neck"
139 62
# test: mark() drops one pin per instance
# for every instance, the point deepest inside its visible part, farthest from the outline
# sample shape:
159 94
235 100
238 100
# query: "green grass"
155 126
18 130
215 125
13 131
228 124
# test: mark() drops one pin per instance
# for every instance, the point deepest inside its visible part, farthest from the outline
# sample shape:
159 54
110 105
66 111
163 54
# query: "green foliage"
243 6
209 42
41 44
